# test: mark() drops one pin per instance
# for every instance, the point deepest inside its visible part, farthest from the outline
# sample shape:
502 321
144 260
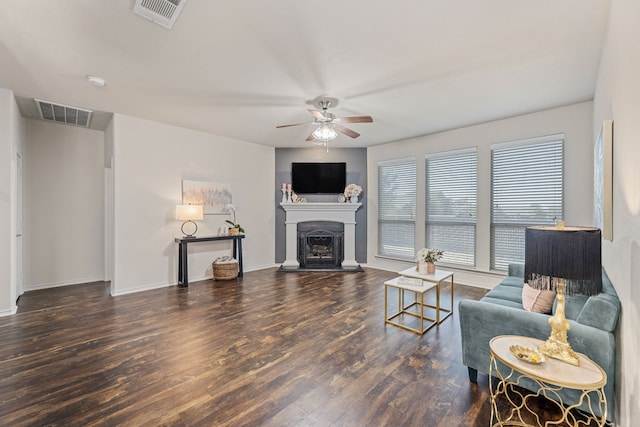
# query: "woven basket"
225 270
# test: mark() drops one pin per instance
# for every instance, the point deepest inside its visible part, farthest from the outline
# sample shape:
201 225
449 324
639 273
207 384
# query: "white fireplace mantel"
338 212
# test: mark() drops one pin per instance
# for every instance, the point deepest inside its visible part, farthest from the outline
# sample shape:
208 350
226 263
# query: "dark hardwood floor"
272 348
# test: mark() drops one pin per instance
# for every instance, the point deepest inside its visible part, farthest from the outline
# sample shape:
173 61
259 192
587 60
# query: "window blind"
526 189
397 209
451 205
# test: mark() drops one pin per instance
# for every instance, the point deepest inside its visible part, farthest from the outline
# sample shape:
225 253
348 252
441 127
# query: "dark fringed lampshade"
570 253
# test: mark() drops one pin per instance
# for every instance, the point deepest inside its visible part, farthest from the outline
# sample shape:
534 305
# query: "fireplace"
343 256
320 244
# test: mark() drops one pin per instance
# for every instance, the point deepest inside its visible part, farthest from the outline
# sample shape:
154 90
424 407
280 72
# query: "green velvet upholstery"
593 322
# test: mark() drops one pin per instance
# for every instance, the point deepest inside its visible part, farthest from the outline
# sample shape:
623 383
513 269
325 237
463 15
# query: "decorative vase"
431 268
234 231
354 199
421 267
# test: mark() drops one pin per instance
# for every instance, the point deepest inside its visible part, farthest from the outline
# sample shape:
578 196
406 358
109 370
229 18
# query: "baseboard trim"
145 288
40 286
8 312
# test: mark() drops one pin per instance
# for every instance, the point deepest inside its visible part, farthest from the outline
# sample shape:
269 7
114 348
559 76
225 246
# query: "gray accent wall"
356 160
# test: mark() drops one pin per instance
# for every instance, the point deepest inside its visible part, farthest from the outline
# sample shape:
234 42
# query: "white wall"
11 144
151 160
575 121
618 98
64 199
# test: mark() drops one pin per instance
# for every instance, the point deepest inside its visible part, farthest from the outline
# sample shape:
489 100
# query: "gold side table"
551 377
414 308
438 278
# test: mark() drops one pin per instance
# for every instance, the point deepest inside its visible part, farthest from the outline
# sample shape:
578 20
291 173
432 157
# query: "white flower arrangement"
231 208
352 190
429 255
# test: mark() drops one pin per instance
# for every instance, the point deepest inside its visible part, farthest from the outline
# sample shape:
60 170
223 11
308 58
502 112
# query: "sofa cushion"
515 282
537 300
502 302
600 311
573 305
506 293
516 270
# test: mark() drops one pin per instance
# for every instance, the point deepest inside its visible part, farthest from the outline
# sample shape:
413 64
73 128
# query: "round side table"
551 377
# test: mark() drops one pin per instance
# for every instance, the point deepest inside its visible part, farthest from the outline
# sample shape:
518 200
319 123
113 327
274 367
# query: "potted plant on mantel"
426 258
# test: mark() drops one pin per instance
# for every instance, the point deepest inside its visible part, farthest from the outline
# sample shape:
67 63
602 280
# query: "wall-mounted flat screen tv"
318 178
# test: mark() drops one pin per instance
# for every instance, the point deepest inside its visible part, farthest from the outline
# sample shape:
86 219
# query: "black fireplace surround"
320 244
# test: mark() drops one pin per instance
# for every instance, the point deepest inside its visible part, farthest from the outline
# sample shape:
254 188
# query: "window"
451 205
397 208
526 189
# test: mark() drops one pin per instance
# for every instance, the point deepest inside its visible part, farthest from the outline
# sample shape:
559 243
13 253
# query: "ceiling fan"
327 124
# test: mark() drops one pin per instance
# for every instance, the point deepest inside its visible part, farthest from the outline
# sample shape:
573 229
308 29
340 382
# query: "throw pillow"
536 300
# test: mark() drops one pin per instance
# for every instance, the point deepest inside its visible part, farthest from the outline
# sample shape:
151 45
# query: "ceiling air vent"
162 12
63 113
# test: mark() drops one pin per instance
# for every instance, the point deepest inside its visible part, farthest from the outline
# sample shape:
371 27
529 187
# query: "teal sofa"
500 312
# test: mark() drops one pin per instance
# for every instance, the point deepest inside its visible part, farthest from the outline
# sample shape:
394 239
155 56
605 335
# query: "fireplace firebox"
320 244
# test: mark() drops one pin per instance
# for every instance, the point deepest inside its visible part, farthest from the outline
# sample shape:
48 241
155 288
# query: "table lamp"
567 260
189 214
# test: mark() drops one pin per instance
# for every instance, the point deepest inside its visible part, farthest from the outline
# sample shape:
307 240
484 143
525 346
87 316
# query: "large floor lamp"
567 260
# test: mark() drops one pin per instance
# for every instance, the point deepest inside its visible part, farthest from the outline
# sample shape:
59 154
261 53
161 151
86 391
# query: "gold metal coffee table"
418 284
551 377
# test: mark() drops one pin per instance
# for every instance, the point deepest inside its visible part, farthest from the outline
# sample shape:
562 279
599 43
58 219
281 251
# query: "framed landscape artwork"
211 195
603 180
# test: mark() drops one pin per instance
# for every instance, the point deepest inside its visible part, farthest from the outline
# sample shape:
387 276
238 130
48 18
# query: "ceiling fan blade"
310 137
346 131
356 119
317 114
296 124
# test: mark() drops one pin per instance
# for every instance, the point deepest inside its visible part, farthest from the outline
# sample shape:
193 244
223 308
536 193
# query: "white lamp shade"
189 213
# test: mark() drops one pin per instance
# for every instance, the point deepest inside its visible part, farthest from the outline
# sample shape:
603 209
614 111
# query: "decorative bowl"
527 354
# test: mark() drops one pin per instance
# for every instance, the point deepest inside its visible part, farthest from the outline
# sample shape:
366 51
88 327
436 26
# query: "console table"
183 242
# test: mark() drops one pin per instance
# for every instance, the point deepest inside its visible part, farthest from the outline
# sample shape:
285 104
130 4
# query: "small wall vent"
63 113
162 12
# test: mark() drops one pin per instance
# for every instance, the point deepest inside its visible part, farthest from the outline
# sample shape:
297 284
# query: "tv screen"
318 178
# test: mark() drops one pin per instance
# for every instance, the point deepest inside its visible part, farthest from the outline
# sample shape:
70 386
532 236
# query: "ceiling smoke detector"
96 81
63 113
161 12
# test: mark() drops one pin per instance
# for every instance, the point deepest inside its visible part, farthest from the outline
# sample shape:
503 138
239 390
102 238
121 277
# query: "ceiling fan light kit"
328 125
325 133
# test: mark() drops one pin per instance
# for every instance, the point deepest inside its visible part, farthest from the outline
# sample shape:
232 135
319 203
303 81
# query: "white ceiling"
239 68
